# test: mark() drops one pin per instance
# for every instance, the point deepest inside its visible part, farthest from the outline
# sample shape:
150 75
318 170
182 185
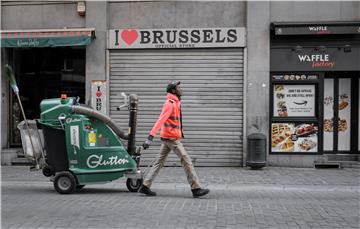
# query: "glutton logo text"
95 161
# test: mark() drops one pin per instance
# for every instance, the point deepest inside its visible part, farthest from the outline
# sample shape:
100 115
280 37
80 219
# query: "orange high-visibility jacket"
170 119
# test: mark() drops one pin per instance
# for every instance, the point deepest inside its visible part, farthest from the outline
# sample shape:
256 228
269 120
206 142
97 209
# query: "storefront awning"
315 28
46 38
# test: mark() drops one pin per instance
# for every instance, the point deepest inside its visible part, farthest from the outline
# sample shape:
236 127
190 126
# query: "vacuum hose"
96 114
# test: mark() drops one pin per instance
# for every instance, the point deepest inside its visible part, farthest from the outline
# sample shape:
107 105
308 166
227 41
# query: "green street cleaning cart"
78 145
81 146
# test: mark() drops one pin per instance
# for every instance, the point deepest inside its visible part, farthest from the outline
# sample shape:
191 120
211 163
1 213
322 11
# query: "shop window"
295 113
44 73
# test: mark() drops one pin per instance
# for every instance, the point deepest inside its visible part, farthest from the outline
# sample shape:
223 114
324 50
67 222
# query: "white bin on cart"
31 152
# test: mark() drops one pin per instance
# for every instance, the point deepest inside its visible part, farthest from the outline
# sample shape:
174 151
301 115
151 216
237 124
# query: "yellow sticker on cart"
92 138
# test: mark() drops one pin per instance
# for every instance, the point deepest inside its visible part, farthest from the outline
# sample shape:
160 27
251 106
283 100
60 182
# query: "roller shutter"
212 105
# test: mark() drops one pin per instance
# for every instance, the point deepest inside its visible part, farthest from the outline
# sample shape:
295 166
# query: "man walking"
170 122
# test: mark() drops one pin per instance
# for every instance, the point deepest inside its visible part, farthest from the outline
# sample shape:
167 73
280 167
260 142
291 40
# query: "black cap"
172 85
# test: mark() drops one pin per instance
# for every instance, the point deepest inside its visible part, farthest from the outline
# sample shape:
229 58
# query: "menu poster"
292 137
294 100
292 77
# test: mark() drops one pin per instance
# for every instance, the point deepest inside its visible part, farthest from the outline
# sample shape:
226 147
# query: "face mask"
179 92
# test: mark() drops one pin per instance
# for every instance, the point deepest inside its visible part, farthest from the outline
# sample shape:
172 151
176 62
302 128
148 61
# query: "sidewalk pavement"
240 198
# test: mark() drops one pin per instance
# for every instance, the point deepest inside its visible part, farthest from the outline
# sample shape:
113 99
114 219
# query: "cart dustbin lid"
256 136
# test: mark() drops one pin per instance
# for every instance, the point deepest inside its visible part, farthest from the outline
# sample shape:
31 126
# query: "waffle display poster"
328 114
291 137
344 125
294 100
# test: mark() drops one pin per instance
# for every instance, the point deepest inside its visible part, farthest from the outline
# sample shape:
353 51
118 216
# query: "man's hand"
148 142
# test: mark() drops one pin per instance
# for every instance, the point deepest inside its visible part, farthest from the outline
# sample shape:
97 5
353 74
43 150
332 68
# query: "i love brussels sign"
176 38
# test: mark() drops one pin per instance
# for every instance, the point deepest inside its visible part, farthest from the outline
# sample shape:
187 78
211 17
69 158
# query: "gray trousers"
178 148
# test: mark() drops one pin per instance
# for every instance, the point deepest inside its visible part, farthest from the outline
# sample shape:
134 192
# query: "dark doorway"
341 112
45 73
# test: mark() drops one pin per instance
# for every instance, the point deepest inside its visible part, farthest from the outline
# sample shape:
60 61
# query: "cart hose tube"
97 115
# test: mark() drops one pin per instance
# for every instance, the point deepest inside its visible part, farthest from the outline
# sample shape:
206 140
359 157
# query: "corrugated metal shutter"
212 105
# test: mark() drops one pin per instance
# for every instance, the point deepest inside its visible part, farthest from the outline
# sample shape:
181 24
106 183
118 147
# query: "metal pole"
27 126
16 91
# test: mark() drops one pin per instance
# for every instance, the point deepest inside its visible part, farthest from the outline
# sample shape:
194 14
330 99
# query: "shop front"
209 62
46 64
315 72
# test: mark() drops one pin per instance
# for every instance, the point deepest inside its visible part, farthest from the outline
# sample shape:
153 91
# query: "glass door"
340 124
344 115
328 114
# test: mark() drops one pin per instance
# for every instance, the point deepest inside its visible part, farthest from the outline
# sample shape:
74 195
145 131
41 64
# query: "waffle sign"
176 38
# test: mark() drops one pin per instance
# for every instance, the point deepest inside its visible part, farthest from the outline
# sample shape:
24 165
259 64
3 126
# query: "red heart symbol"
129 36
98 94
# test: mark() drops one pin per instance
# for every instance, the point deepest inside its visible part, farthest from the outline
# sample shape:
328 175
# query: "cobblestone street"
239 198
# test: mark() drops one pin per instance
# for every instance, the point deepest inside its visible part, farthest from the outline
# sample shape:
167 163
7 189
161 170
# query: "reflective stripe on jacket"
170 119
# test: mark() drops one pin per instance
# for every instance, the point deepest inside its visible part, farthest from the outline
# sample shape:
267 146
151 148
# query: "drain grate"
327 165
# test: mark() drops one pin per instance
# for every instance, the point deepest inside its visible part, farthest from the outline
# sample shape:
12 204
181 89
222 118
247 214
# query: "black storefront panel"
321 60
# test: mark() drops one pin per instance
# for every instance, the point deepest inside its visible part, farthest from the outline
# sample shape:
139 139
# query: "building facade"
229 56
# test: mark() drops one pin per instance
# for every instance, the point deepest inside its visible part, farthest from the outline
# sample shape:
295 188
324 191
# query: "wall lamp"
347 48
297 49
81 8
320 48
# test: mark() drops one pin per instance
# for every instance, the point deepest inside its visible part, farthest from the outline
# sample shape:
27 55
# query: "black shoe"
145 190
199 192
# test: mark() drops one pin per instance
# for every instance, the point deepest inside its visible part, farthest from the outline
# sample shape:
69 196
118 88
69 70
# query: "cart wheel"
80 186
64 182
48 171
133 184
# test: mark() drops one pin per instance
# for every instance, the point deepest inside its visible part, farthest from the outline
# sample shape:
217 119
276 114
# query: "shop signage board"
46 38
317 29
311 59
176 38
294 100
98 95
